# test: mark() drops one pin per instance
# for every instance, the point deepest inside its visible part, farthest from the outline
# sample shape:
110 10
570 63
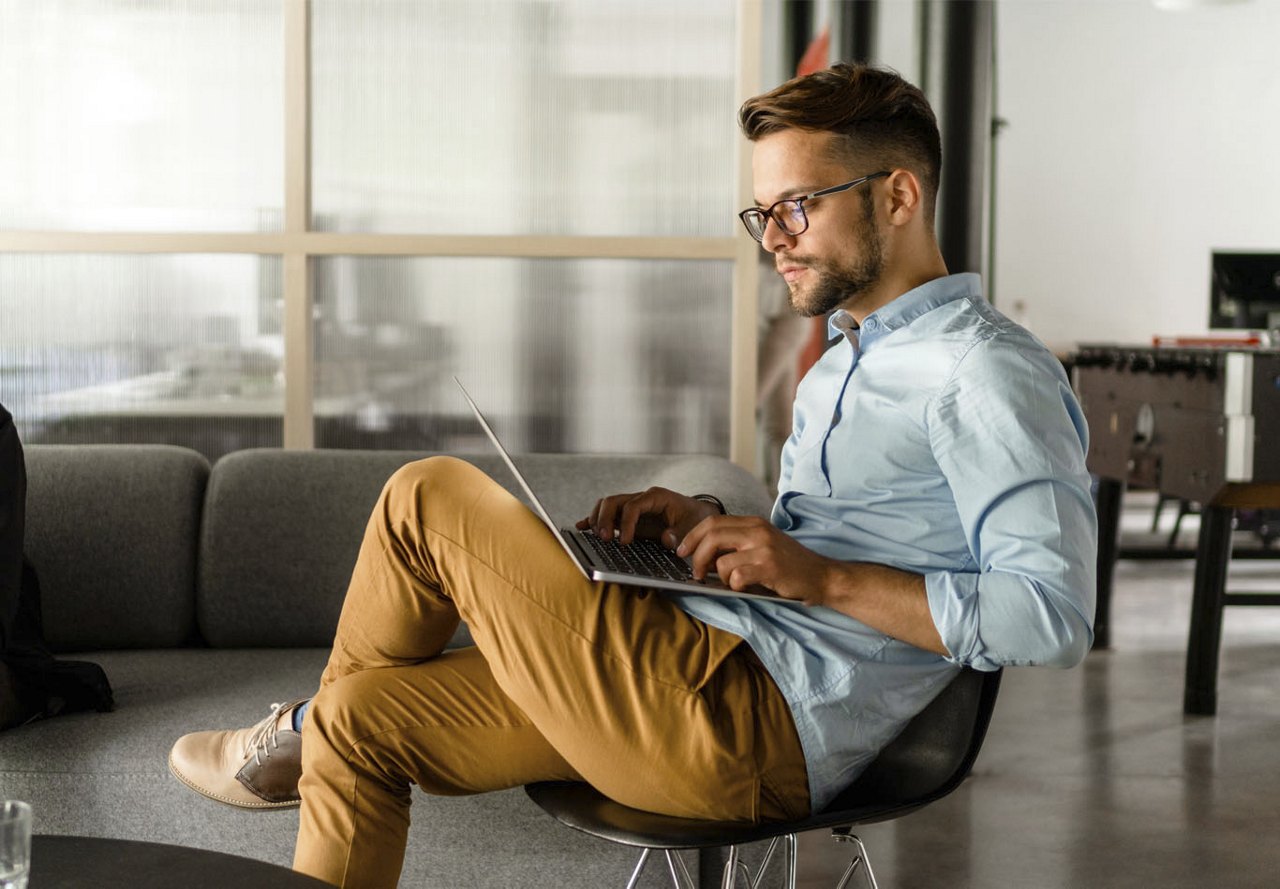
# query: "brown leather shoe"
254 768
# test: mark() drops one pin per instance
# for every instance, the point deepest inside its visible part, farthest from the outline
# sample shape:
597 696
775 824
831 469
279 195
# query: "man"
934 511
33 685
13 500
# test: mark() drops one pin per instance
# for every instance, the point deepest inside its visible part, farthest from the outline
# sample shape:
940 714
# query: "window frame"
297 244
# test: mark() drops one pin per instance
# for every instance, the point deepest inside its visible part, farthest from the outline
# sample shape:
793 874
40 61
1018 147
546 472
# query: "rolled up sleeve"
1010 439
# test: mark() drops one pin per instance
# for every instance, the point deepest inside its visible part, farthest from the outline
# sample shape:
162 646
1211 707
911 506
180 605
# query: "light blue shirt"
939 438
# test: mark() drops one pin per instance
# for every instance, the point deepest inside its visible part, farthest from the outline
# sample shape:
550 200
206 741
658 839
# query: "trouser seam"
365 739
782 799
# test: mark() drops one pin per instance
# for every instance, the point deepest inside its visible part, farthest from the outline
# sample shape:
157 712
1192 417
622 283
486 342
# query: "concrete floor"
1093 777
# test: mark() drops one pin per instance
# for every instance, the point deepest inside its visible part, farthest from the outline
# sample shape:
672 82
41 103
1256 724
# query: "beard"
840 282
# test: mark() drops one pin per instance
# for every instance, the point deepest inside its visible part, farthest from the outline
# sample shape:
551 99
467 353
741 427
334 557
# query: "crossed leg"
569 679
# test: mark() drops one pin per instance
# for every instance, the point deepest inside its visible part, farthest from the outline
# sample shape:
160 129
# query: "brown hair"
883 121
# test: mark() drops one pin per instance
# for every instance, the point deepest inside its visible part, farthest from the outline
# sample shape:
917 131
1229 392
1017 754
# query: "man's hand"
657 513
749 551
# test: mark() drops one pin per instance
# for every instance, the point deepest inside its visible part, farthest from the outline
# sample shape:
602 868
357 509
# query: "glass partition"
581 355
173 349
127 116
559 117
610 122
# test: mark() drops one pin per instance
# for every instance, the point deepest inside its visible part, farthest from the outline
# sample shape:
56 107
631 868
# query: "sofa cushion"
112 532
280 536
282 528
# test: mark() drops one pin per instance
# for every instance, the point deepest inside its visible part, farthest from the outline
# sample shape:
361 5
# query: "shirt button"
869 324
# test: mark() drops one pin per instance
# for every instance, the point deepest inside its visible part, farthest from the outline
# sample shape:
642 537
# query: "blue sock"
300 712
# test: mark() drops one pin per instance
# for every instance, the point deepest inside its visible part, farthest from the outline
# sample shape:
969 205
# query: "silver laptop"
644 563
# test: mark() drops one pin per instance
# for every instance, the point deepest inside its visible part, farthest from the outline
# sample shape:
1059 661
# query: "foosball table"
1199 423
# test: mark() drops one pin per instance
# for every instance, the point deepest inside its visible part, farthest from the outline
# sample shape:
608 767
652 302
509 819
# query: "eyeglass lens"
789 215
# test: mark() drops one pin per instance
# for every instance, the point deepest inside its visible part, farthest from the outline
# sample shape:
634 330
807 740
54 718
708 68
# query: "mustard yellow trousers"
569 679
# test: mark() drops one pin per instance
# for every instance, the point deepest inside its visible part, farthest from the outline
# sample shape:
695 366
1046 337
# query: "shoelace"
263 740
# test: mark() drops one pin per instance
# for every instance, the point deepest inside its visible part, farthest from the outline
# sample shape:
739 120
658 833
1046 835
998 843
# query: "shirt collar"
906 308
841 324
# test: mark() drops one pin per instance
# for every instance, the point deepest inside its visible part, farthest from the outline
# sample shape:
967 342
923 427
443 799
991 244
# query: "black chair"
923 764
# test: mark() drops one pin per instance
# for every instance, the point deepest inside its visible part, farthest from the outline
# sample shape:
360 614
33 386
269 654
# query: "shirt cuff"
953 604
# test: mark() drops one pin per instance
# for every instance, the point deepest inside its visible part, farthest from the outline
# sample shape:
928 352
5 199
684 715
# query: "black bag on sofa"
33 684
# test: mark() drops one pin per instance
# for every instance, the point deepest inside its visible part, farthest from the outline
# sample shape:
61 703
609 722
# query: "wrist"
713 500
839 583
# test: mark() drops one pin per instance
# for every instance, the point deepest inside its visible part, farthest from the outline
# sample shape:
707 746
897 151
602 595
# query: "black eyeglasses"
789 214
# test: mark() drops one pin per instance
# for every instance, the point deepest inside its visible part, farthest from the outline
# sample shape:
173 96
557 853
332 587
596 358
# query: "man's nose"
774 238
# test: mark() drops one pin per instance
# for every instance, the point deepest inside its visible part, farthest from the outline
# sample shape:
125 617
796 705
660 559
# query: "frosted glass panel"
180 349
131 116
589 355
524 116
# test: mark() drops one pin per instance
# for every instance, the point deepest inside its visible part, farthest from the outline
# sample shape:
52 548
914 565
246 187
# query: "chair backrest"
935 751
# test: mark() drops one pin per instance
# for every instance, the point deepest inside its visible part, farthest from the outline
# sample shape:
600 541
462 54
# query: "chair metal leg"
635 874
679 873
764 864
1161 500
859 858
730 869
734 866
675 864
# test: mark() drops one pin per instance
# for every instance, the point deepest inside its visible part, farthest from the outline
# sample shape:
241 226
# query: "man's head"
862 246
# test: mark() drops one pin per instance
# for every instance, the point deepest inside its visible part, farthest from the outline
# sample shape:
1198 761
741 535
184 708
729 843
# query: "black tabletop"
66 862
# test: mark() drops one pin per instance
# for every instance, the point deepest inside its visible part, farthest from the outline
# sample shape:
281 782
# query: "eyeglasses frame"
767 213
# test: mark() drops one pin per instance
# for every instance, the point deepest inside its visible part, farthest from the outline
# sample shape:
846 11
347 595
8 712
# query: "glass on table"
15 844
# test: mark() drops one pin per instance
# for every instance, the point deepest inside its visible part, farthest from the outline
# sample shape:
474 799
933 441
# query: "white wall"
1140 139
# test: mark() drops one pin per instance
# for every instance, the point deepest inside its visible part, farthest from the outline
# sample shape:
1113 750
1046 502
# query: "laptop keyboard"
642 558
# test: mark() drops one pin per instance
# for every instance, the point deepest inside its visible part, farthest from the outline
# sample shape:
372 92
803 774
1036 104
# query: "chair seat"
923 764
584 808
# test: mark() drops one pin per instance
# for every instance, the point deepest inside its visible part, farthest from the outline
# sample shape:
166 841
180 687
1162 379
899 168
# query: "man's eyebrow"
790 193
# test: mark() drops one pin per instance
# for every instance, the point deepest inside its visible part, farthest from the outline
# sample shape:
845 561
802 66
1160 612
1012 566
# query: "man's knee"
436 493
418 483
332 726
432 472
334 711
341 746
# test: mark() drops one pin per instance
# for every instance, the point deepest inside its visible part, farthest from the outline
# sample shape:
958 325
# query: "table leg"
1213 553
1109 496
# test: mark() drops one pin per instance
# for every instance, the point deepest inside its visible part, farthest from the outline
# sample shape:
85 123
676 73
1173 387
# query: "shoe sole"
239 804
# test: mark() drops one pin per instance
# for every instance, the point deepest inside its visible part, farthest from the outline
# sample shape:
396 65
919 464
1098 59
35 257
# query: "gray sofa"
207 593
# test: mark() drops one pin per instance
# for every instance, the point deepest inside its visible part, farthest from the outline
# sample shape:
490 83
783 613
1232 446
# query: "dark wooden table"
70 862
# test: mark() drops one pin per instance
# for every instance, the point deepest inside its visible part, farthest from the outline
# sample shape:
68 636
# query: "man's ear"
903 191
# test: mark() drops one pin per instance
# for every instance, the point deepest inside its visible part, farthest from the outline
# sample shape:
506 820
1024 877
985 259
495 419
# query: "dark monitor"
1245 292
